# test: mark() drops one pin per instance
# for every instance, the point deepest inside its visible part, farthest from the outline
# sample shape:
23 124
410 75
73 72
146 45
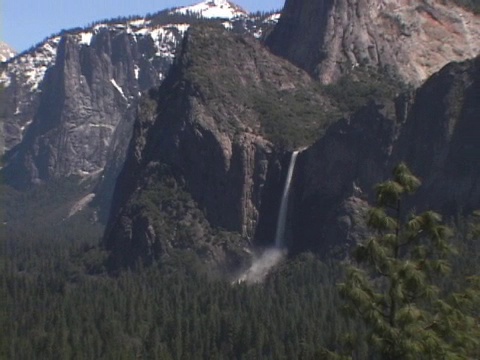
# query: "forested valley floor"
58 301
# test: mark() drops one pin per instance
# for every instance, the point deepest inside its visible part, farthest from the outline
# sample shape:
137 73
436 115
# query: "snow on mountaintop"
30 66
214 9
6 52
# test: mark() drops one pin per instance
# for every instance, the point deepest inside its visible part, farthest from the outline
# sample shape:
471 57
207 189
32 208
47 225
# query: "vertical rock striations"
67 99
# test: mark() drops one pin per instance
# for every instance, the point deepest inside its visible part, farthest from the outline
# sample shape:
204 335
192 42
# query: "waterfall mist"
261 266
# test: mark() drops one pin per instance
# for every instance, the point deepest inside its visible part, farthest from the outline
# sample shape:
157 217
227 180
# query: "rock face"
433 130
84 97
411 39
62 117
204 135
447 156
336 175
69 103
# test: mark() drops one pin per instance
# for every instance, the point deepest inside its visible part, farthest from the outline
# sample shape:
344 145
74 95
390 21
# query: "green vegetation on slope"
362 85
176 221
245 86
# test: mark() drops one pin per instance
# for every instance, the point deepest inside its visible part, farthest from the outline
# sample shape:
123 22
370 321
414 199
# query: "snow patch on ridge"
86 38
212 9
166 39
140 23
273 18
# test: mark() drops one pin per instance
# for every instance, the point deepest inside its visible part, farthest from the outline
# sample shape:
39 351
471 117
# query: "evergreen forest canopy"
58 300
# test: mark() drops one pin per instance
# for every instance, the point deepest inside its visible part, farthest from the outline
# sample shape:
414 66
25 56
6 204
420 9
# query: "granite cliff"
410 39
206 140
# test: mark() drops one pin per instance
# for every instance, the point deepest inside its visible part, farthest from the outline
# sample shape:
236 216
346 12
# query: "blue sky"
24 23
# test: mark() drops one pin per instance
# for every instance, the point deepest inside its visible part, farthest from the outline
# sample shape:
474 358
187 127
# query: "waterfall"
270 257
282 213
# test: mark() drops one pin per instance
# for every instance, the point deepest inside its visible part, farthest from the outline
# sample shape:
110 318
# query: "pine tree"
393 286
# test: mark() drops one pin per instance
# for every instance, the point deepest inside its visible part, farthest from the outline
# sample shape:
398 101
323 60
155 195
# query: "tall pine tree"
393 287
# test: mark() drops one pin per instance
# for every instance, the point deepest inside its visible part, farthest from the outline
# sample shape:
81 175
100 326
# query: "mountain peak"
211 9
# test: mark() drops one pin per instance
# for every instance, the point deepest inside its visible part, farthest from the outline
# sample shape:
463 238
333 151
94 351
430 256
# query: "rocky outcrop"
84 97
409 39
433 130
210 135
67 114
203 134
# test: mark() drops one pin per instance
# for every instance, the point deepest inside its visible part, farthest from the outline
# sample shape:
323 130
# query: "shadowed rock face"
409 38
440 139
204 132
335 177
433 130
